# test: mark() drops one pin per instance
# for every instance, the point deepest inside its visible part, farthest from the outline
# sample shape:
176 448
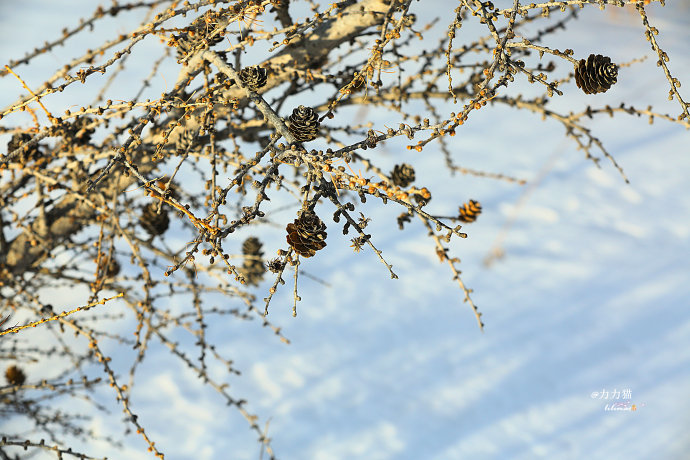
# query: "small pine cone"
194 38
28 153
252 247
304 124
253 77
154 223
596 75
113 269
14 375
402 175
470 211
307 234
253 268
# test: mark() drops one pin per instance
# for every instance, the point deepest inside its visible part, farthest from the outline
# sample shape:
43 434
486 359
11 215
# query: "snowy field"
589 306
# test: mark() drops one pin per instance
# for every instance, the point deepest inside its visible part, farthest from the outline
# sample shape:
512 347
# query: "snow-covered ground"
589 307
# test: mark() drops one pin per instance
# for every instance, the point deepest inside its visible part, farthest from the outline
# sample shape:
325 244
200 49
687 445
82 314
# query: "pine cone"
307 234
154 223
596 75
252 247
402 175
470 211
196 40
196 36
113 269
304 124
14 375
253 268
253 77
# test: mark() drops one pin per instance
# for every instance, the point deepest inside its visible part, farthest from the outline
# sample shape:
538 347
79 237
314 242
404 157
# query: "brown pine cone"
253 268
470 211
252 247
14 375
596 75
113 269
304 124
253 77
306 234
196 36
402 175
154 223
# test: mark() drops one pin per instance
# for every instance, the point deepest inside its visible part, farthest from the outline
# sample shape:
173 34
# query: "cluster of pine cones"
253 268
307 234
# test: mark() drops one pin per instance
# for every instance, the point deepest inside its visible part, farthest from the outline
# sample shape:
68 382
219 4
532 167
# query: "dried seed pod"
402 175
306 234
596 75
276 265
14 375
469 211
253 77
155 223
304 124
